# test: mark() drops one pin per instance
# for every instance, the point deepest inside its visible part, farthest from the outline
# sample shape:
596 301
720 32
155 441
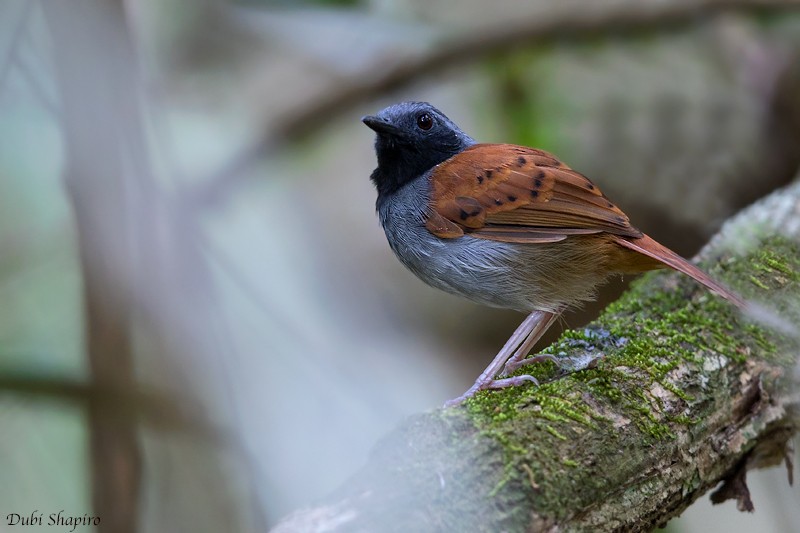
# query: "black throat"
401 162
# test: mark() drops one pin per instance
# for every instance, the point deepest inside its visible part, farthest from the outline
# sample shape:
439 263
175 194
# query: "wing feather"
516 194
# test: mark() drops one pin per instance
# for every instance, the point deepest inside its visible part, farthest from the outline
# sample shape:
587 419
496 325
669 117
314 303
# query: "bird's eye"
424 122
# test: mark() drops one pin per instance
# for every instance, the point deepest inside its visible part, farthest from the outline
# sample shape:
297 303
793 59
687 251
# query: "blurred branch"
95 68
594 20
687 395
16 41
145 282
151 408
13 58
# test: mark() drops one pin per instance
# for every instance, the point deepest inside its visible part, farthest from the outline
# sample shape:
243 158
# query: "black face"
413 137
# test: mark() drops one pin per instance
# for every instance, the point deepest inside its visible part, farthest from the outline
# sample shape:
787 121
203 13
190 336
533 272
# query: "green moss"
561 409
774 266
769 261
664 322
511 450
758 283
555 433
684 420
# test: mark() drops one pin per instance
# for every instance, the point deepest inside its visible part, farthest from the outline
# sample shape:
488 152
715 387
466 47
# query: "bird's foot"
491 384
513 364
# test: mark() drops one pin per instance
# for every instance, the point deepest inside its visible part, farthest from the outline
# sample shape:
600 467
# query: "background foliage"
188 166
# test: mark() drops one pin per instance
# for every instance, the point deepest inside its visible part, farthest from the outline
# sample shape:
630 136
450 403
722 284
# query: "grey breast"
489 272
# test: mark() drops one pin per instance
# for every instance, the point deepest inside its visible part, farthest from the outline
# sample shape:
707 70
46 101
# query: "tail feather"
651 248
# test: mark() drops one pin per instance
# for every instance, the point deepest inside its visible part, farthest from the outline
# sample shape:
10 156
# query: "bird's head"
412 138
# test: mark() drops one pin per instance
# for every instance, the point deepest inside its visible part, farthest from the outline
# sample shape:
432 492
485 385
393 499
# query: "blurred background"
202 327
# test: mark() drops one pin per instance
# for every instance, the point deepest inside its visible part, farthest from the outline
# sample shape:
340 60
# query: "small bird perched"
503 225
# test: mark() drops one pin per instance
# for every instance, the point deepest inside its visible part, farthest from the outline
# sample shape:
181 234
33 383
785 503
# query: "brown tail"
649 247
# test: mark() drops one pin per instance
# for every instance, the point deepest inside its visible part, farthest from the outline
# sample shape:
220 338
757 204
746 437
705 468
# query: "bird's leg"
518 359
525 336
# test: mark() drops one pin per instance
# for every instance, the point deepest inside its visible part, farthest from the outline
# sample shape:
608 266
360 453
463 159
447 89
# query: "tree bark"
683 391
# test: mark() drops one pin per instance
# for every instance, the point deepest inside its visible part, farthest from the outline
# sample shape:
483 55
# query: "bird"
503 225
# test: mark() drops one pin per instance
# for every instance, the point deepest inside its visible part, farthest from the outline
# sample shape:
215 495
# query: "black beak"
381 126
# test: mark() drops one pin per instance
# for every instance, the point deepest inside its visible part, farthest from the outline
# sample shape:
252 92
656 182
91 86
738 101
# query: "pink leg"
525 336
518 359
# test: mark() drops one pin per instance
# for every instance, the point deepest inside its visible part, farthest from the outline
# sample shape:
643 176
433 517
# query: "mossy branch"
688 392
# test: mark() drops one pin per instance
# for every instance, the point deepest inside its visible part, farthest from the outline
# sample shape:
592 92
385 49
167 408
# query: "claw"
516 348
512 365
492 384
511 382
